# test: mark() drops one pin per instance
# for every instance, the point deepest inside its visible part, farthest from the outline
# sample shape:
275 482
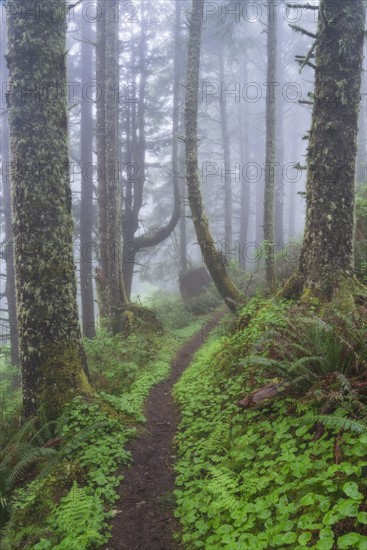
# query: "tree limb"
71 6
303 6
303 31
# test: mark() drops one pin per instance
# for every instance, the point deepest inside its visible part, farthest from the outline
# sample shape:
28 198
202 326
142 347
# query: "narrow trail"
145 519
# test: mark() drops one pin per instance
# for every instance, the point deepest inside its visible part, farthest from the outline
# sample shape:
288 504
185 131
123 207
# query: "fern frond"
26 459
336 422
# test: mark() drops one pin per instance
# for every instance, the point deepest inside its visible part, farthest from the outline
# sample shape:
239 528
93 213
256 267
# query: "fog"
232 133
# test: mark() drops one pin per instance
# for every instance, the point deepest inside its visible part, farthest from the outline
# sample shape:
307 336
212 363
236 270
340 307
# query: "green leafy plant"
360 244
77 520
323 361
204 303
23 452
66 505
269 477
170 310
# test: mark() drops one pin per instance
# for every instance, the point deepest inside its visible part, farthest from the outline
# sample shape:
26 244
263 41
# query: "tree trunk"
183 229
361 165
131 220
8 240
116 296
51 354
175 134
292 196
110 284
245 184
231 295
101 271
227 166
270 153
259 210
86 202
279 181
327 253
134 194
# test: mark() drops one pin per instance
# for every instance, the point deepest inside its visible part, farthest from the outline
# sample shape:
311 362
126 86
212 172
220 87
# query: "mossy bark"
51 353
270 149
361 161
116 295
326 259
111 290
214 262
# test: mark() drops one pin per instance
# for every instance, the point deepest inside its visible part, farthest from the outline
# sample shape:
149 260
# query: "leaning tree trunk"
213 259
86 201
8 240
270 152
51 354
326 260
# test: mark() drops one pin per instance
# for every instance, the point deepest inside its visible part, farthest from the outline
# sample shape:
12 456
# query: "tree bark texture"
51 354
213 259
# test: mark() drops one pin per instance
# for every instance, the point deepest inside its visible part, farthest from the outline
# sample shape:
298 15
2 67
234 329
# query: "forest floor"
145 510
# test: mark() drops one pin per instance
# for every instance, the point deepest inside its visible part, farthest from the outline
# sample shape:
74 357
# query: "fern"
333 421
76 521
223 484
16 460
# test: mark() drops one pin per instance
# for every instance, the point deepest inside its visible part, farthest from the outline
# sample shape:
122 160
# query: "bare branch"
303 31
303 6
71 6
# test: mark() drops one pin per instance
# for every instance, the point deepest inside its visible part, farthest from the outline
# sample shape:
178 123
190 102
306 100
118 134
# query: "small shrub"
205 302
170 310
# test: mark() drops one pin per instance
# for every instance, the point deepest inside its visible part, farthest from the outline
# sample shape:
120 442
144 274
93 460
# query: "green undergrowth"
70 494
289 472
10 395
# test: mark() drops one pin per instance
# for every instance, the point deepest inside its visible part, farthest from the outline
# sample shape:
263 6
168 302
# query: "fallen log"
256 398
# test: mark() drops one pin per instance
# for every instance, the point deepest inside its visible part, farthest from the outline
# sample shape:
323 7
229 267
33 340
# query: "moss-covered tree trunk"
361 163
51 353
270 150
111 290
327 253
213 259
116 295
